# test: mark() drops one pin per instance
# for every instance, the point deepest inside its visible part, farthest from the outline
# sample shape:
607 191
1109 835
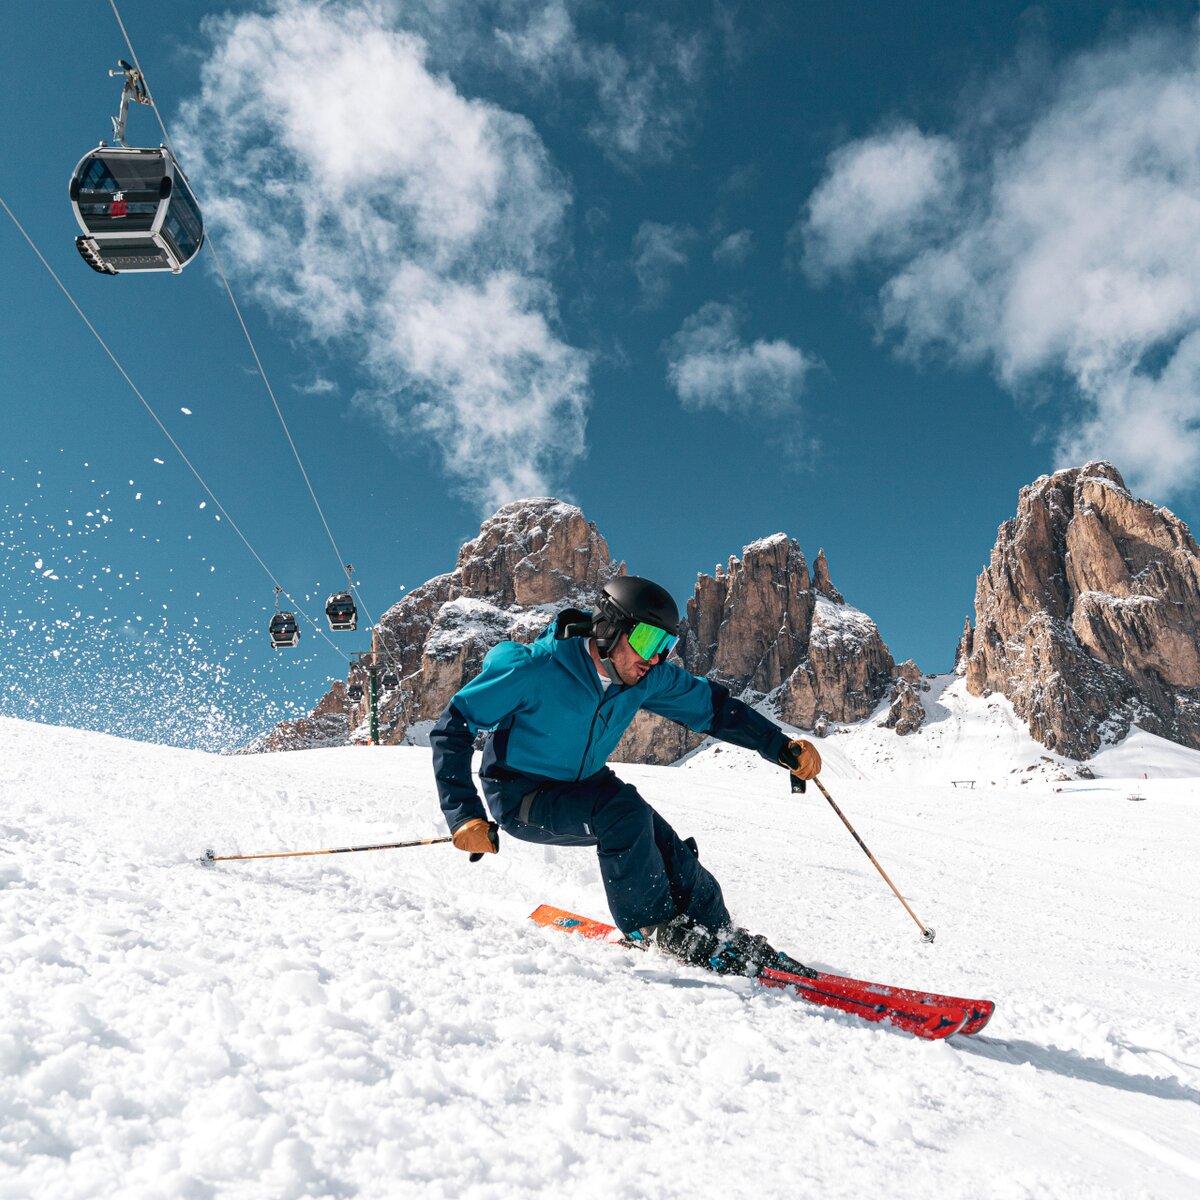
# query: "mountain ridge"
1087 620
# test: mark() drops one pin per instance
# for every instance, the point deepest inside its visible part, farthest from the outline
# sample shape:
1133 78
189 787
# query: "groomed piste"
391 1024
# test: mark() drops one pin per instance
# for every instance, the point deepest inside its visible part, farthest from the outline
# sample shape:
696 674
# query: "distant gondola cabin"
354 692
136 211
284 630
341 612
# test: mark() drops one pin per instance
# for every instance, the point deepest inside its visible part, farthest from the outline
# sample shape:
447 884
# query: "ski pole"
927 934
210 857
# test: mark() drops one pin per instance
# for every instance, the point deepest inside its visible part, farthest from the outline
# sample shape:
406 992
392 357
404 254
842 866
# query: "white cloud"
1076 254
1149 424
734 250
320 386
347 181
878 196
710 366
658 250
641 94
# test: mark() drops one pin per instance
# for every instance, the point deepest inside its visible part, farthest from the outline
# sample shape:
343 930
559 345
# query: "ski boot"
731 951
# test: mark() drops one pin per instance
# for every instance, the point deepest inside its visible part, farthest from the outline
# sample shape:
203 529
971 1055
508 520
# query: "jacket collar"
573 654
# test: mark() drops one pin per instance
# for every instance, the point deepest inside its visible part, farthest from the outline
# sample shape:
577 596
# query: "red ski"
928 1015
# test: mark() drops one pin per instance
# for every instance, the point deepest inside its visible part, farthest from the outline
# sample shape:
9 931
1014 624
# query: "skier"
555 711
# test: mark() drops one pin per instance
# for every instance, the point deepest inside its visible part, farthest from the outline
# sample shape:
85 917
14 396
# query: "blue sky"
854 272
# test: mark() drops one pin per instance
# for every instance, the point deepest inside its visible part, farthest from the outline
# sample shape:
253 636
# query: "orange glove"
801 758
478 837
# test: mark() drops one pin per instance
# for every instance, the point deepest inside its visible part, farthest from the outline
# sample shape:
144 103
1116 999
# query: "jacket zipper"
591 730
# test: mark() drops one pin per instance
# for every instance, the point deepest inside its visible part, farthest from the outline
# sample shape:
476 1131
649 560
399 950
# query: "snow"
764 543
389 1024
835 623
976 740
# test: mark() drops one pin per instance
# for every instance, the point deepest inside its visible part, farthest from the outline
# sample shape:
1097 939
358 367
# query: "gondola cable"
253 349
165 431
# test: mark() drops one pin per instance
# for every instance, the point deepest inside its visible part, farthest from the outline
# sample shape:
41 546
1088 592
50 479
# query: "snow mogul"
554 712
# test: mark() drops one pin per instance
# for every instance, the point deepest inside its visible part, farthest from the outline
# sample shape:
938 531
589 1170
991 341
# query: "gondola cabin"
340 611
390 680
284 630
136 211
354 692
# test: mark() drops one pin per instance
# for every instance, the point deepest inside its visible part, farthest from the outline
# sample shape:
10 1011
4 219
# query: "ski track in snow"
389 1024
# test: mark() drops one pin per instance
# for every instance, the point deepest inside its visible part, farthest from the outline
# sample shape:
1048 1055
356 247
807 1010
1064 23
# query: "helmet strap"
610 670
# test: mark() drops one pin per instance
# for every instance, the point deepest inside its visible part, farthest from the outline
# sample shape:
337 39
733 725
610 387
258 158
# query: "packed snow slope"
390 1025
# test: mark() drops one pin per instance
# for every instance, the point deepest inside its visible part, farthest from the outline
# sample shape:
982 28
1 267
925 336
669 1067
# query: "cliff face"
1088 615
764 625
325 726
531 559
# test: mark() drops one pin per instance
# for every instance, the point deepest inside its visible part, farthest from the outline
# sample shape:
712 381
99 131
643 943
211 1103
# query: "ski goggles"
648 640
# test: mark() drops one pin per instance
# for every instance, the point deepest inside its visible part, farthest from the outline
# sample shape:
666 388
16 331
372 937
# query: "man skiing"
555 711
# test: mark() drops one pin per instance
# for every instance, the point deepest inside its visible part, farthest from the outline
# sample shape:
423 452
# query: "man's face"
631 666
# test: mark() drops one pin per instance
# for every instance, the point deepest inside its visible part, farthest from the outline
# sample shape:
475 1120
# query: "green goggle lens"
649 640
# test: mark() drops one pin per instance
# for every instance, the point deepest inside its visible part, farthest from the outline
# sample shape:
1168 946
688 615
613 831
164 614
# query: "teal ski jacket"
551 718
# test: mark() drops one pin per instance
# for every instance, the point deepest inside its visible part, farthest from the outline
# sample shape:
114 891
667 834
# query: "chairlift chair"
341 611
284 630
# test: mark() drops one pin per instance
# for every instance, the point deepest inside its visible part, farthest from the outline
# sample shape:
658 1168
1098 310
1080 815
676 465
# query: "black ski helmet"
624 602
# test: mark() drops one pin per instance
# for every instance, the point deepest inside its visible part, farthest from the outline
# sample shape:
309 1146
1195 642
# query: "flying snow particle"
203 503
159 461
187 412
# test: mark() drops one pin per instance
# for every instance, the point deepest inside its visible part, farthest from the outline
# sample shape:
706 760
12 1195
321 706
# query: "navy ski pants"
649 873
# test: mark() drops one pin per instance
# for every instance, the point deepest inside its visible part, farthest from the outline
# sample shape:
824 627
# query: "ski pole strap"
210 857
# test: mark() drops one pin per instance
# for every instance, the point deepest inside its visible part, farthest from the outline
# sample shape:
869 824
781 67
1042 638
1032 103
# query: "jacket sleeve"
708 707
495 695
737 723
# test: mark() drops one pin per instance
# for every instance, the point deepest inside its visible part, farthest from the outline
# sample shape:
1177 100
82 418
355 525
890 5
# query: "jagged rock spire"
1088 615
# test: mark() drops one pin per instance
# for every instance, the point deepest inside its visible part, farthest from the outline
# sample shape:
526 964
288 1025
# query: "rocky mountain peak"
746 625
821 580
1088 615
535 551
765 627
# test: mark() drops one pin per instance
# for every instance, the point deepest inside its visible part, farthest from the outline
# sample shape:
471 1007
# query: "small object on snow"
929 1015
1135 796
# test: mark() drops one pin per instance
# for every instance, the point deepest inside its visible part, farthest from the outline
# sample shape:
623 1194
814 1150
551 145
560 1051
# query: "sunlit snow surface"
389 1024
